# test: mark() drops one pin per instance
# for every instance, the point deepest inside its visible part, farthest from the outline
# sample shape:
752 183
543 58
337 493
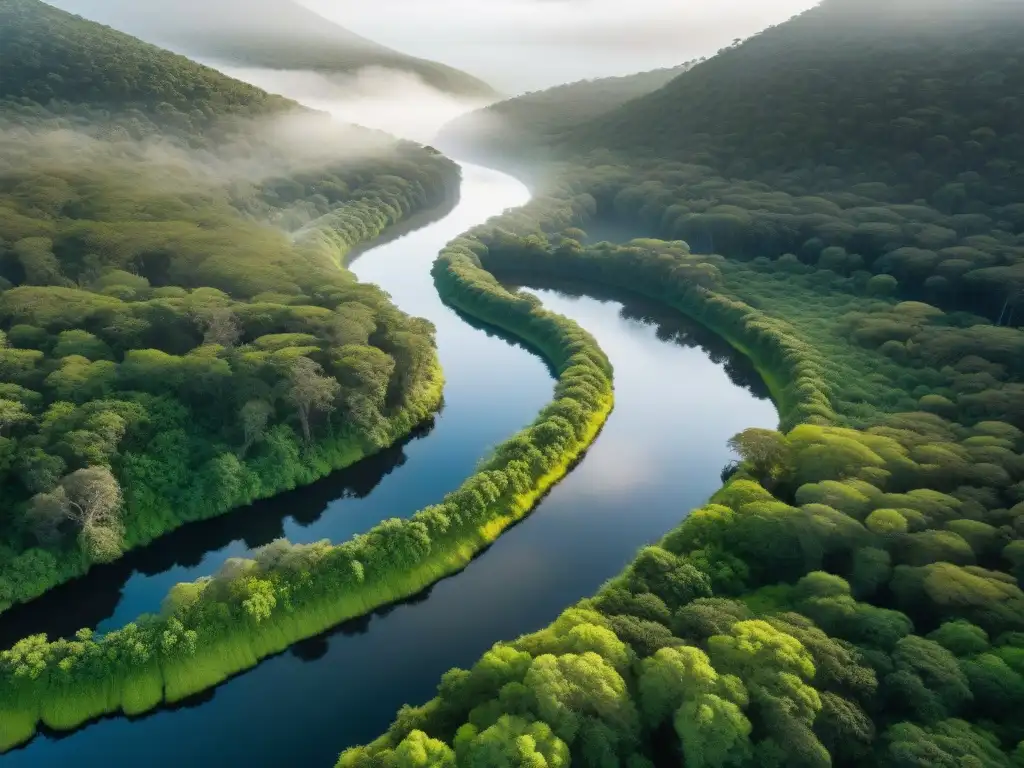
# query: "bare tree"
89 498
218 325
311 391
254 416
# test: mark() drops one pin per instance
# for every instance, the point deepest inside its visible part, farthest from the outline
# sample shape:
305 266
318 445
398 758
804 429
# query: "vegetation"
540 118
62 63
895 150
277 34
216 627
852 596
847 598
178 335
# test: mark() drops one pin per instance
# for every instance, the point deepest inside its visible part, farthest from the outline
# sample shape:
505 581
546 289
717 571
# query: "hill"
51 61
279 34
907 92
840 198
543 117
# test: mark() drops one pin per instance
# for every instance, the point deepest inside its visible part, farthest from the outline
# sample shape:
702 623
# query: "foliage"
174 312
838 601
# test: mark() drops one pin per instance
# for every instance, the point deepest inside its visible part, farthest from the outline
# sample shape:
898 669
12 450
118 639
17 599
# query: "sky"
515 45
520 45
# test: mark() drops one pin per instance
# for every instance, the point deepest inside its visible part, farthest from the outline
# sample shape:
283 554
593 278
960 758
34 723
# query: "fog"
396 102
257 150
520 45
516 45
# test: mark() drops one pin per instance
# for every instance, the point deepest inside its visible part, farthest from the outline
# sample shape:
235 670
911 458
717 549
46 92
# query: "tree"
511 742
12 413
46 513
882 285
218 326
254 417
927 682
774 666
571 690
418 750
670 677
765 451
948 744
713 731
310 391
89 498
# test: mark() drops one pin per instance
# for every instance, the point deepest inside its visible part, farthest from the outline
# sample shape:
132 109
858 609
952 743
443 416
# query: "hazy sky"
516 45
525 44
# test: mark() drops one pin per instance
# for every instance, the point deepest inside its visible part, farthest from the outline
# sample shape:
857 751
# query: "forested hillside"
178 334
279 34
53 62
541 118
860 137
853 595
907 93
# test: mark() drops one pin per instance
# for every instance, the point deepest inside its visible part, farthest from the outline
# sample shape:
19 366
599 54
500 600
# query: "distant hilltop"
279 34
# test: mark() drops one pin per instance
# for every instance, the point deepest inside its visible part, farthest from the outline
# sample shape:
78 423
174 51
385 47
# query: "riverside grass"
333 235
63 699
64 702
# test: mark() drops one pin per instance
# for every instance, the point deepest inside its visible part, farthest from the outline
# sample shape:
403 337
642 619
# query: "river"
680 394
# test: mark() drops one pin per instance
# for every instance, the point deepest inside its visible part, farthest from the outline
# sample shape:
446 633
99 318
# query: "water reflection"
658 456
669 326
89 601
492 390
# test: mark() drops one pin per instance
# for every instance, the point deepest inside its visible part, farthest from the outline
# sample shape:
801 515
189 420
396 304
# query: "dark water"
677 402
492 389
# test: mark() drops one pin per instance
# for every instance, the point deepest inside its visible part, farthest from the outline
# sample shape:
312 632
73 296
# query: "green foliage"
164 289
88 63
837 602
541 117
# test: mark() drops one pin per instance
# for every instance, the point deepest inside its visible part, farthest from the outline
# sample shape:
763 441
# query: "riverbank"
217 628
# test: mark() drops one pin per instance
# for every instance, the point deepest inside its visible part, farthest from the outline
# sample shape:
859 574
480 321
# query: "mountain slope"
280 34
541 117
47 56
876 88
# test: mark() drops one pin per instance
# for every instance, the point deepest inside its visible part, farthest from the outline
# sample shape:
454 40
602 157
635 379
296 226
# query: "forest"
518 125
852 595
836 197
178 333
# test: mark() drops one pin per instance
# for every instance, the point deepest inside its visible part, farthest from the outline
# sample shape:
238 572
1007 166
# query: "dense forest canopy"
542 117
853 595
878 138
908 93
279 34
178 334
49 57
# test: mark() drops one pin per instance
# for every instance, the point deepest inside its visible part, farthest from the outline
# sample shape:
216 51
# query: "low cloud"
524 44
396 102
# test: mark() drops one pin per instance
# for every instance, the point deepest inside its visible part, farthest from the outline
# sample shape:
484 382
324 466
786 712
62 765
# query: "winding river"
680 394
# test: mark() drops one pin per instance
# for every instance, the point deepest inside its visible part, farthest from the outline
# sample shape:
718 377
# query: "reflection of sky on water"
492 389
658 457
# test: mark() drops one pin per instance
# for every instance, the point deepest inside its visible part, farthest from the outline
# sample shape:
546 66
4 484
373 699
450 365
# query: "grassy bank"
851 596
215 628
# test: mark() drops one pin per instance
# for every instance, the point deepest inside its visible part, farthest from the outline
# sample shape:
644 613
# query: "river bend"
680 394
